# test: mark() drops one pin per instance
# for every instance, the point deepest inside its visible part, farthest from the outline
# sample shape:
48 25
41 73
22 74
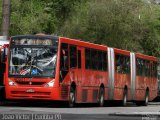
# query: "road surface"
45 111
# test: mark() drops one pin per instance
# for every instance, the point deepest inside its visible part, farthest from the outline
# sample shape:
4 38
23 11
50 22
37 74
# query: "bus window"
118 63
79 59
104 61
100 60
73 56
127 64
87 59
64 56
145 67
139 67
122 64
94 59
155 70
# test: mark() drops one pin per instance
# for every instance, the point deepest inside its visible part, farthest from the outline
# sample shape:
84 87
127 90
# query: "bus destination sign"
27 41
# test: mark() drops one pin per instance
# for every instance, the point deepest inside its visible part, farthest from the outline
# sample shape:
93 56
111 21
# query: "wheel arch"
125 87
147 89
102 86
73 85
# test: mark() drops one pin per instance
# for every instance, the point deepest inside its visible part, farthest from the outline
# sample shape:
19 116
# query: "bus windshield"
32 61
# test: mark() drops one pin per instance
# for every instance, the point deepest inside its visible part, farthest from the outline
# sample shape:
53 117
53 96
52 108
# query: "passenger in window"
118 63
123 65
127 65
65 60
63 64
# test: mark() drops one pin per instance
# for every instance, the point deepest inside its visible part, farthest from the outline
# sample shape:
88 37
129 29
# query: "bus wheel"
101 97
72 97
146 100
124 101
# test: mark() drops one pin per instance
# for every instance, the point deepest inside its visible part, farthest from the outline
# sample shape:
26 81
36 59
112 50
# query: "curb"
154 103
141 114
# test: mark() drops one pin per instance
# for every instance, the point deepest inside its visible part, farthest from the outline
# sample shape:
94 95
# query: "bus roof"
147 57
71 41
83 43
120 51
35 36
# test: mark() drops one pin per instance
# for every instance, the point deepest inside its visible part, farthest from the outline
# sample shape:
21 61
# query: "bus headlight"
50 84
11 83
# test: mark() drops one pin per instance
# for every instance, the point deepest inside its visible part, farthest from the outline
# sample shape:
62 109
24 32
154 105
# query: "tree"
132 25
29 17
117 23
150 41
62 10
0 13
32 16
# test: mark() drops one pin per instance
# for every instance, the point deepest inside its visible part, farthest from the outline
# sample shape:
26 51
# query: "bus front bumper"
35 93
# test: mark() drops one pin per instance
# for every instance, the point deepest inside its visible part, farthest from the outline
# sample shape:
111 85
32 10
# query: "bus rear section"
146 81
132 77
41 67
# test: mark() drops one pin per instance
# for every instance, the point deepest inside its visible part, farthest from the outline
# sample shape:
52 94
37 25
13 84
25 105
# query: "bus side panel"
121 80
91 85
140 88
153 89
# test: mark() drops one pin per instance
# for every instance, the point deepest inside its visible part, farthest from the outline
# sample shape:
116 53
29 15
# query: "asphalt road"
45 111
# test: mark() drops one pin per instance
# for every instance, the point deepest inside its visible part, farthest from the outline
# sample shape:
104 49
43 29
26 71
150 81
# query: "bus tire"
124 100
101 97
72 97
146 99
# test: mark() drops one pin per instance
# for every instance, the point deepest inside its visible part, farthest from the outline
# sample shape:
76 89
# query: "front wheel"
72 97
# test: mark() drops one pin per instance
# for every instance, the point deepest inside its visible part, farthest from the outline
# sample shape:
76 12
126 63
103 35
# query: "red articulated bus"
42 67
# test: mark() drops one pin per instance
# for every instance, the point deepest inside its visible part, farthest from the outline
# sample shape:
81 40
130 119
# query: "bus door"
64 67
80 67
